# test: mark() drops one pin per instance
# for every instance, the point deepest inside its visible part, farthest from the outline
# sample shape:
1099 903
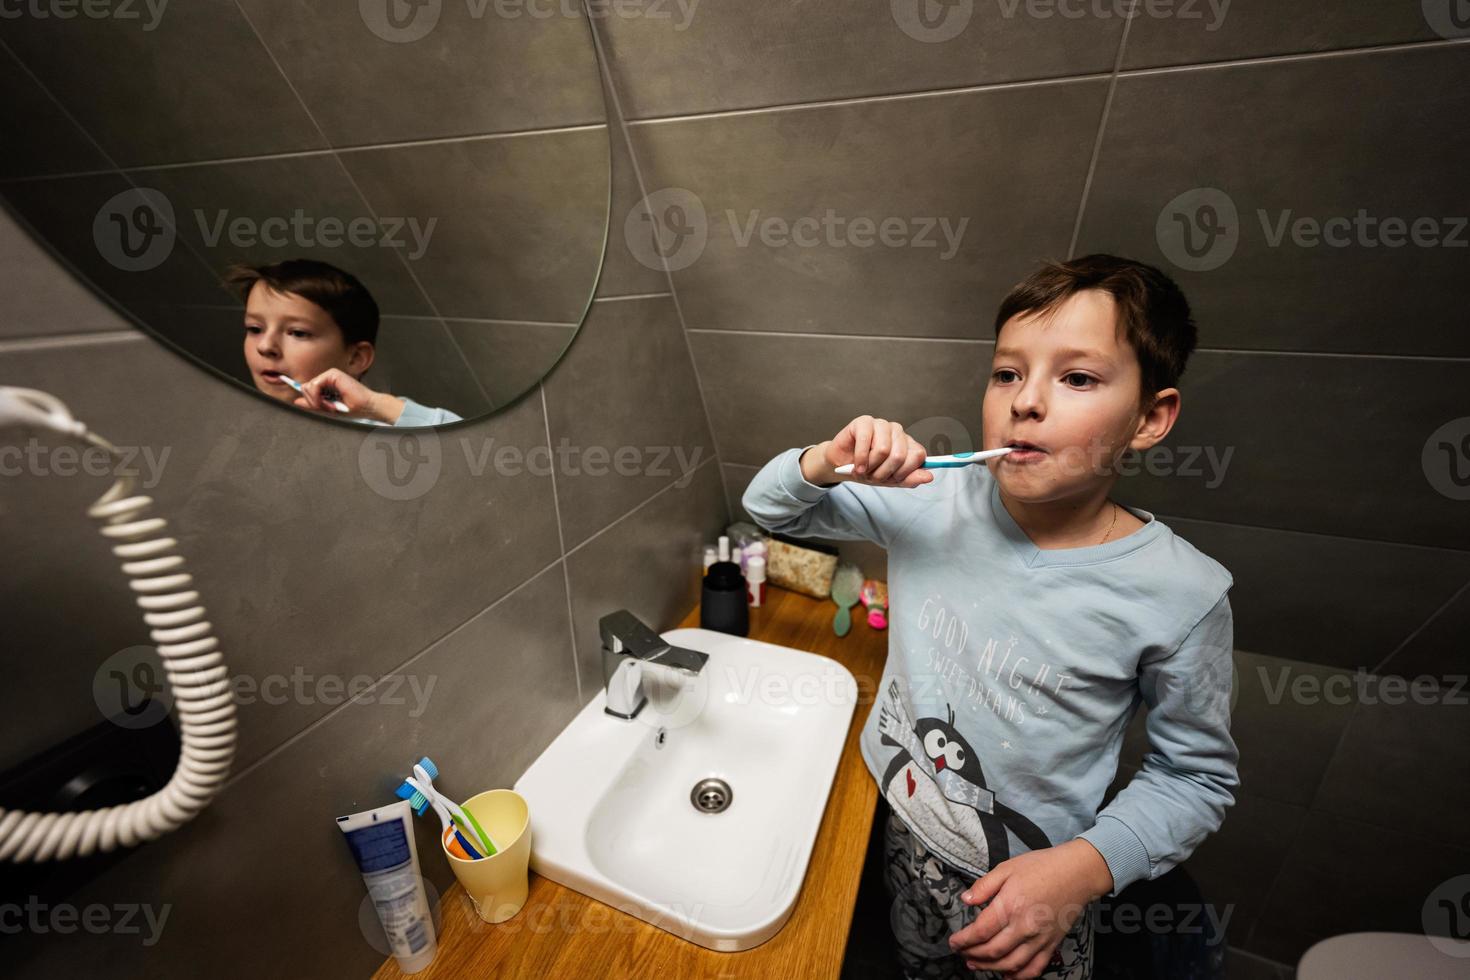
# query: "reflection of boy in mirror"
317 325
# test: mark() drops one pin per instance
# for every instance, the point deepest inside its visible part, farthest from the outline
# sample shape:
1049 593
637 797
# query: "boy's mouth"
274 377
1024 452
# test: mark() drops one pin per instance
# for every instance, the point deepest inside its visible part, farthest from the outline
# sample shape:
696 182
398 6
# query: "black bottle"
724 604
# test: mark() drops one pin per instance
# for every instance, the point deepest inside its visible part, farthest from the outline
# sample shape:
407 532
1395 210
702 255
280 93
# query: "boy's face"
288 334
1066 382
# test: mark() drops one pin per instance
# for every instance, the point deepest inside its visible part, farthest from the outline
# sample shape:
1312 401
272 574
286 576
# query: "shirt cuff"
797 485
415 414
1120 847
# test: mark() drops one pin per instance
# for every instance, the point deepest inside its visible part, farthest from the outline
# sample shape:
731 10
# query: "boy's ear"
1157 419
360 357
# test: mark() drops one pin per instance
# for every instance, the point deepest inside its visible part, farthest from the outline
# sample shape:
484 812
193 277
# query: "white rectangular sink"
613 805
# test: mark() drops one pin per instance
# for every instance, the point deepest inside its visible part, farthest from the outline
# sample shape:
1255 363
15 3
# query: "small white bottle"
724 547
755 580
710 555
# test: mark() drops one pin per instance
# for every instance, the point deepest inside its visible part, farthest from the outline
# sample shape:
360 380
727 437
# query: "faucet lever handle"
622 631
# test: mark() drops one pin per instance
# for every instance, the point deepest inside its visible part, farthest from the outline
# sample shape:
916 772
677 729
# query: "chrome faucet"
627 645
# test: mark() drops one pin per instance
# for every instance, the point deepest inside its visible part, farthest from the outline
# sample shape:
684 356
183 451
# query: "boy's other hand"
1031 902
361 400
882 454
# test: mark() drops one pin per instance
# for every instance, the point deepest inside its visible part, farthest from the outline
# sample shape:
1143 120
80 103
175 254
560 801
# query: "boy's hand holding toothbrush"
879 453
335 387
882 455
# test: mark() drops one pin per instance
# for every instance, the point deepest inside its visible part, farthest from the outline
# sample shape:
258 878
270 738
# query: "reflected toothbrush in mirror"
944 462
329 400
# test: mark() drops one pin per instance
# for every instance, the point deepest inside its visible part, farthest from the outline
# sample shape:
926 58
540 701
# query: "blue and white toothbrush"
297 385
945 462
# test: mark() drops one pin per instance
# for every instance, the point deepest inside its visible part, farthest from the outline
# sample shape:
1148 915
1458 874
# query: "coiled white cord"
195 668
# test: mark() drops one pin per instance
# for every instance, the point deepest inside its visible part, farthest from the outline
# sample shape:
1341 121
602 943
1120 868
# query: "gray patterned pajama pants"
927 910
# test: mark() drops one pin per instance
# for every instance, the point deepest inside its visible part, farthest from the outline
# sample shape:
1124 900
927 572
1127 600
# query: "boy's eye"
1085 379
251 328
1003 371
300 333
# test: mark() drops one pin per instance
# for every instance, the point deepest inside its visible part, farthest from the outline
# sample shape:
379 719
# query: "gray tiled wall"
465 602
1322 370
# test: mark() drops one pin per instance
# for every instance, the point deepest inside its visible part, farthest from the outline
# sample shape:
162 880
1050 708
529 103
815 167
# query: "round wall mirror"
377 212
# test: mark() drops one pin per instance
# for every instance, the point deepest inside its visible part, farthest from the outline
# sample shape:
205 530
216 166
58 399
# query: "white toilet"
1386 956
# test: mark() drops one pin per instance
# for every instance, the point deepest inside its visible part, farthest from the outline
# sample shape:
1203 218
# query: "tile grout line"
362 196
561 543
24 344
291 740
1165 518
610 83
302 154
1392 47
1421 627
637 507
1245 351
1097 143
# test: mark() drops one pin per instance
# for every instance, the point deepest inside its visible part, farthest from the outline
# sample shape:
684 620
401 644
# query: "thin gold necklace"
1111 526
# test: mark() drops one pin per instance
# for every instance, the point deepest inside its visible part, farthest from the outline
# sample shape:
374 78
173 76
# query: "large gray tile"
192 83
904 233
871 557
1344 602
214 337
1189 33
1288 719
1402 760
39 296
39 138
1346 876
519 220
297 207
1285 745
509 669
419 358
308 555
1282 145
1438 649
648 563
1235 866
768 392
508 359
67 609
120 243
625 404
480 68
701 57
1278 418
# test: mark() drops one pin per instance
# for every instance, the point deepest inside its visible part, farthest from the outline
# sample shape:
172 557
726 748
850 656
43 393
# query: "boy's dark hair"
340 293
1153 314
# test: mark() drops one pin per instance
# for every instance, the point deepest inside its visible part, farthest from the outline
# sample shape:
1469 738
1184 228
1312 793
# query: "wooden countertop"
561 933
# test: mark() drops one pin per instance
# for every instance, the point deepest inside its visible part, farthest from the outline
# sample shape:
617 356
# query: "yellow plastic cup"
498 884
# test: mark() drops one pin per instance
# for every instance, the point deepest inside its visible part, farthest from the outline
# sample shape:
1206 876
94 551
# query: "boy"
1029 617
317 325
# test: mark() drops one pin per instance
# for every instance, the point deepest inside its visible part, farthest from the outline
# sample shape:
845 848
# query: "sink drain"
711 795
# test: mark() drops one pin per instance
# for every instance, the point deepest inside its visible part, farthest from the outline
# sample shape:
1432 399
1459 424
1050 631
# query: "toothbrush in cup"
457 843
944 462
337 405
426 772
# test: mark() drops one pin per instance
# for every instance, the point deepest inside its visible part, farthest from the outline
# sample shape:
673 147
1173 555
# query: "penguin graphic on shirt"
937 784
